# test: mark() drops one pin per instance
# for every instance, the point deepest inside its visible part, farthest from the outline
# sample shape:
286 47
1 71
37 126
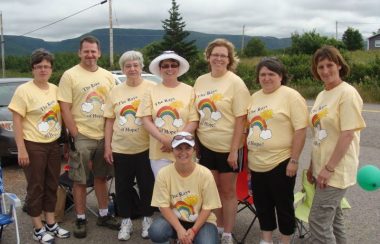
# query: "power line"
102 2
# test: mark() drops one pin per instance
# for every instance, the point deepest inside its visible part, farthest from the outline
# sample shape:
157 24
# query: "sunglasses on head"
167 66
180 137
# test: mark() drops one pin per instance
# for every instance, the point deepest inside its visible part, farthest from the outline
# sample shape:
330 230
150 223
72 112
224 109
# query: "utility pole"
111 33
2 44
242 41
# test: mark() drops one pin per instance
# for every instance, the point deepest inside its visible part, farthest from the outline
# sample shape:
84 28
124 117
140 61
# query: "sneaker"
43 237
125 231
80 228
57 231
145 227
226 239
108 221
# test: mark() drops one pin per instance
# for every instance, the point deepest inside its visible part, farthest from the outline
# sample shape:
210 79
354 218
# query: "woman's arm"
23 157
191 126
108 131
182 235
236 140
202 217
340 150
298 142
153 131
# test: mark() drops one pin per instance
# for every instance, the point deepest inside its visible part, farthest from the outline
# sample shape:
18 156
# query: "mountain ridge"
127 39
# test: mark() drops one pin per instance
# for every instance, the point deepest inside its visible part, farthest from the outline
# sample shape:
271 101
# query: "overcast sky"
278 18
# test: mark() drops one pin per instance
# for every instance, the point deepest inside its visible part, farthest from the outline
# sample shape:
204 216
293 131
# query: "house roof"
374 36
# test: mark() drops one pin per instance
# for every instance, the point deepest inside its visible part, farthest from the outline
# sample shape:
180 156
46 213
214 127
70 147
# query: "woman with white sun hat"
167 108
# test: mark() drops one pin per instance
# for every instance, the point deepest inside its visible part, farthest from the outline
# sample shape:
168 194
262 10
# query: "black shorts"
218 161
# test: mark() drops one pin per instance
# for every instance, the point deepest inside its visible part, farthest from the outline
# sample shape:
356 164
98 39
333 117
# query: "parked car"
7 142
120 77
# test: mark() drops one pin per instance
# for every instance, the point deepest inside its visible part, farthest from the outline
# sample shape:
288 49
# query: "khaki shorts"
87 150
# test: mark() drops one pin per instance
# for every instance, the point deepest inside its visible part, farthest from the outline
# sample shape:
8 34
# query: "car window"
6 92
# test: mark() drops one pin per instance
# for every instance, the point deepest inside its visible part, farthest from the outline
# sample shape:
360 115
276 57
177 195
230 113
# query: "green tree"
175 35
309 42
352 39
255 47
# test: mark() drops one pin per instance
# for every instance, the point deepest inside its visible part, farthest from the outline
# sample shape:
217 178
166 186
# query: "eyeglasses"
180 137
167 66
217 55
40 67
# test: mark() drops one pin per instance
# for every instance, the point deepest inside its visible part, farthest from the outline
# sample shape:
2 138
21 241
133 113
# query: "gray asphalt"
362 220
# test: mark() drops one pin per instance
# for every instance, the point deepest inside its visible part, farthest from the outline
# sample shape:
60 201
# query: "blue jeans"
161 232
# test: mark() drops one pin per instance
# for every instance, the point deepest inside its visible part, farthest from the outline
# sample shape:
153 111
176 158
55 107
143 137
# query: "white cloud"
87 107
159 122
43 127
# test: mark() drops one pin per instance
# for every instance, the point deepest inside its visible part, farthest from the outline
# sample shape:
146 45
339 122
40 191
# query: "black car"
8 147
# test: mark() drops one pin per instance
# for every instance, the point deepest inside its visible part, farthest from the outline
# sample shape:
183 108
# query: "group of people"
183 145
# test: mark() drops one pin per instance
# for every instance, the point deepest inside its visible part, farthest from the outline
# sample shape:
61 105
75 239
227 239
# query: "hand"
309 175
183 237
291 169
23 158
108 155
232 159
190 233
166 144
323 178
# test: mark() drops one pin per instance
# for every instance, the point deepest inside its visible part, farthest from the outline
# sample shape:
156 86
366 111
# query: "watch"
293 161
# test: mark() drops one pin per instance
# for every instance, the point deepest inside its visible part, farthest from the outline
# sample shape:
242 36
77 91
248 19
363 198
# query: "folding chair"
244 196
303 201
9 203
66 183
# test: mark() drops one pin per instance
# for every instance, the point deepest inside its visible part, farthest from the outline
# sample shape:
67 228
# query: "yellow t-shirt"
334 111
171 109
40 111
87 92
219 101
186 196
272 119
129 135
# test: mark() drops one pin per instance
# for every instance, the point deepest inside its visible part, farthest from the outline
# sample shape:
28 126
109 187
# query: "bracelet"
329 169
194 231
293 161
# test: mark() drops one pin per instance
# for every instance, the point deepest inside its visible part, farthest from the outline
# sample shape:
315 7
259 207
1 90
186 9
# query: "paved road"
362 220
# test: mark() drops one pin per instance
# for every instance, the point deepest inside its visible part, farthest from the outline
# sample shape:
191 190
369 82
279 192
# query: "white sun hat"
183 137
154 66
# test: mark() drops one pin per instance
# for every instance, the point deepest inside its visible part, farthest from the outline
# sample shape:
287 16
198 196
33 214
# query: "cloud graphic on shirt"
178 123
138 121
87 107
266 134
159 122
250 132
122 120
216 115
322 134
201 113
102 106
43 127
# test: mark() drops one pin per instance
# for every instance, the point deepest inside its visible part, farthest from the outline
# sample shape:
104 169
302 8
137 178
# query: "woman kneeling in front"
186 194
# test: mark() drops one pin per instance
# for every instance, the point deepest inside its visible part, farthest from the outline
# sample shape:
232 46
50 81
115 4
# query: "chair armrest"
12 199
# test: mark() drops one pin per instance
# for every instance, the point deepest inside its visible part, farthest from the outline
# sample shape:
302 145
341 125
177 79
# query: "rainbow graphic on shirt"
129 110
50 120
96 96
170 111
209 104
260 121
320 133
185 209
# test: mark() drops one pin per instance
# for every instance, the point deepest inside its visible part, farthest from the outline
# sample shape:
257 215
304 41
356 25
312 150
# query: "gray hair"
131 56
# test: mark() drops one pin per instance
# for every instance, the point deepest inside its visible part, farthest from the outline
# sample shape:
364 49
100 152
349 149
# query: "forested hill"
126 39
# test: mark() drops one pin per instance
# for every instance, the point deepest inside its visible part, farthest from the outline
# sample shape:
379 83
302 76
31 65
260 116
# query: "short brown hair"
39 55
90 39
332 54
234 60
274 65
